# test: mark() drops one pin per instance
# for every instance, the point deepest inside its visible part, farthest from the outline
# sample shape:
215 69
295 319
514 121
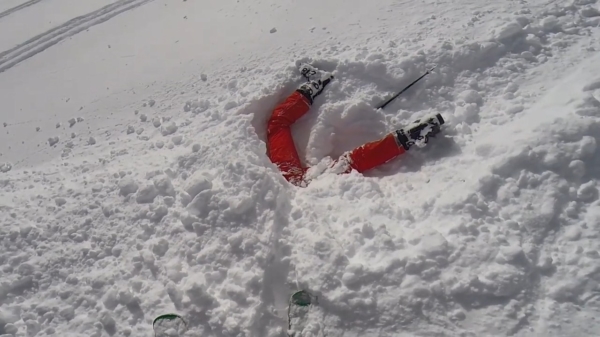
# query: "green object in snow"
169 325
299 309
301 298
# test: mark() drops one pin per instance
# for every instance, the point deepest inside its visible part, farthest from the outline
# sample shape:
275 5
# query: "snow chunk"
175 272
273 30
33 327
60 201
168 129
509 32
68 313
164 186
470 96
157 213
527 55
577 167
589 12
200 203
584 2
458 315
169 201
568 289
572 233
19 286
550 23
10 329
110 299
415 287
523 20
5 167
127 186
196 291
510 255
511 87
352 275
469 113
187 220
177 140
592 86
185 198
587 146
200 106
91 141
196 106
503 280
197 183
433 245
545 263
7 318
515 109
72 122
161 247
53 140
592 22
588 192
147 194
230 105
108 322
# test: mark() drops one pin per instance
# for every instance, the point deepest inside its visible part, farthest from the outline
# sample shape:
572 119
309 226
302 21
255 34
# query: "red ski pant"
282 150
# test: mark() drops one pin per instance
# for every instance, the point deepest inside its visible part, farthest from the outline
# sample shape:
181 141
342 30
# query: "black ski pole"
383 105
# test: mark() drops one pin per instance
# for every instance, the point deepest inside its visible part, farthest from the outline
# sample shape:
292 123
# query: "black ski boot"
419 131
316 81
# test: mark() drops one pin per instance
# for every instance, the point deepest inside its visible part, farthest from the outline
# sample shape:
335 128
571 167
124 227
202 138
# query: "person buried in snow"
282 150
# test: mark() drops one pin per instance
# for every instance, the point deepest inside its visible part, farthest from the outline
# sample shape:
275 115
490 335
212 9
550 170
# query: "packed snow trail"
39 43
18 7
164 199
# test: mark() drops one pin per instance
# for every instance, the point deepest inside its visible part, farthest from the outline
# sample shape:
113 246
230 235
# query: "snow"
134 180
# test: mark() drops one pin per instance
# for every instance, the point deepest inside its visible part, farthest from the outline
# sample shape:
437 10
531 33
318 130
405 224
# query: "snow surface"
134 180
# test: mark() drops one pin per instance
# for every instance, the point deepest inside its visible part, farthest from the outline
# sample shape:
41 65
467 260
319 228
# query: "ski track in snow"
19 7
37 44
489 231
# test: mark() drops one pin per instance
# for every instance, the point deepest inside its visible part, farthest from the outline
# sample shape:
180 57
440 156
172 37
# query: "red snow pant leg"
376 153
280 145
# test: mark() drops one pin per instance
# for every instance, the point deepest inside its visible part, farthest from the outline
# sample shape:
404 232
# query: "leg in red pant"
394 144
375 153
280 145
